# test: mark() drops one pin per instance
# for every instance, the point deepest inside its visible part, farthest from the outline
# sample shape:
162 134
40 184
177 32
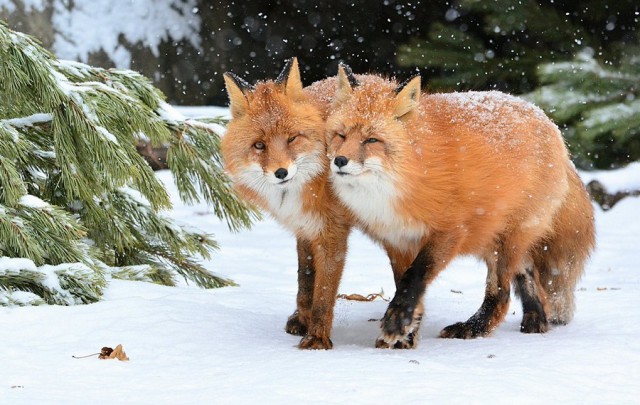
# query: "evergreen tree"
597 105
498 44
78 204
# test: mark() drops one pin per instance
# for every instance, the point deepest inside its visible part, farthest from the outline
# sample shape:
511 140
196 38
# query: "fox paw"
464 330
310 342
295 326
533 322
399 329
406 342
555 320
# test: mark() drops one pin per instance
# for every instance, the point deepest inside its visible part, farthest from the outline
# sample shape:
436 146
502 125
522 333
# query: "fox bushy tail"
561 257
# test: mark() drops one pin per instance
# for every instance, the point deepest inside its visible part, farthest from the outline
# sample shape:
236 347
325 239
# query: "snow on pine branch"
583 68
24 283
29 121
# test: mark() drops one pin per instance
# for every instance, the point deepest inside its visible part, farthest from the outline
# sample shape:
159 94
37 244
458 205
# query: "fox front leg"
329 255
298 322
402 319
319 332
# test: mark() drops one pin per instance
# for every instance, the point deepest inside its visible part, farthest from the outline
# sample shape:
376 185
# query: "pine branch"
76 194
19 298
621 120
16 241
190 269
147 273
65 284
198 173
597 106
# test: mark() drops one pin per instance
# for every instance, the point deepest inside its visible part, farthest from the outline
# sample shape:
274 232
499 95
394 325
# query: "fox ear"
237 88
346 82
290 78
407 96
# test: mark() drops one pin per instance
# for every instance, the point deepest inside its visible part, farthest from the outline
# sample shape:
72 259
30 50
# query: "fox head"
275 139
366 128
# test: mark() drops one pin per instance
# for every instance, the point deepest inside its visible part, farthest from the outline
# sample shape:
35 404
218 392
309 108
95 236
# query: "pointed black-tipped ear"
353 82
407 96
286 70
290 78
242 84
236 88
405 83
346 82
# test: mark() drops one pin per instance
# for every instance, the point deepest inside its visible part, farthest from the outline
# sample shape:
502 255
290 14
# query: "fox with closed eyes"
432 177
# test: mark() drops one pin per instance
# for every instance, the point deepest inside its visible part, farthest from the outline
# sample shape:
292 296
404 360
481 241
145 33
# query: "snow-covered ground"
194 346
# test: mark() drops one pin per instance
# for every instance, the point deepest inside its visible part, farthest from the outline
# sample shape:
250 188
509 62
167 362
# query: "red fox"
482 173
274 150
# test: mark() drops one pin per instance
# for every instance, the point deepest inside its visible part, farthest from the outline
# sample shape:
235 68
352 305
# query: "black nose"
340 161
281 173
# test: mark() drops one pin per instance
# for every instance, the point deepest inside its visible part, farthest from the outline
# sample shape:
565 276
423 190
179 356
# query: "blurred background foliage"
578 60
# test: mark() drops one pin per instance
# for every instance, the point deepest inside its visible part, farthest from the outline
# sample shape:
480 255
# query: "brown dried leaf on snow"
117 353
358 297
105 352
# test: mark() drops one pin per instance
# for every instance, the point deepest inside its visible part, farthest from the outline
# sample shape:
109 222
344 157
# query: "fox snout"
281 173
341 165
340 161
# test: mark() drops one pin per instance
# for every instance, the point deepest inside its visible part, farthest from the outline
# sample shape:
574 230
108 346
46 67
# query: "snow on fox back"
478 110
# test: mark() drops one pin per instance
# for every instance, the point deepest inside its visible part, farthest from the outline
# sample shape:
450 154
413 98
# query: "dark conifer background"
455 45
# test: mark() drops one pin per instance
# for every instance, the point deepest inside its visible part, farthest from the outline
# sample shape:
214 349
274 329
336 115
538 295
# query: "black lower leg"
534 318
409 292
486 317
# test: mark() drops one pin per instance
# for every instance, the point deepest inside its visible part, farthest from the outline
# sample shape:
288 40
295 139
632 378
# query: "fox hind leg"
494 305
558 282
563 255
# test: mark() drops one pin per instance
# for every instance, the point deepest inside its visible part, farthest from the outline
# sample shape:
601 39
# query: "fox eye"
370 140
259 145
341 135
291 139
